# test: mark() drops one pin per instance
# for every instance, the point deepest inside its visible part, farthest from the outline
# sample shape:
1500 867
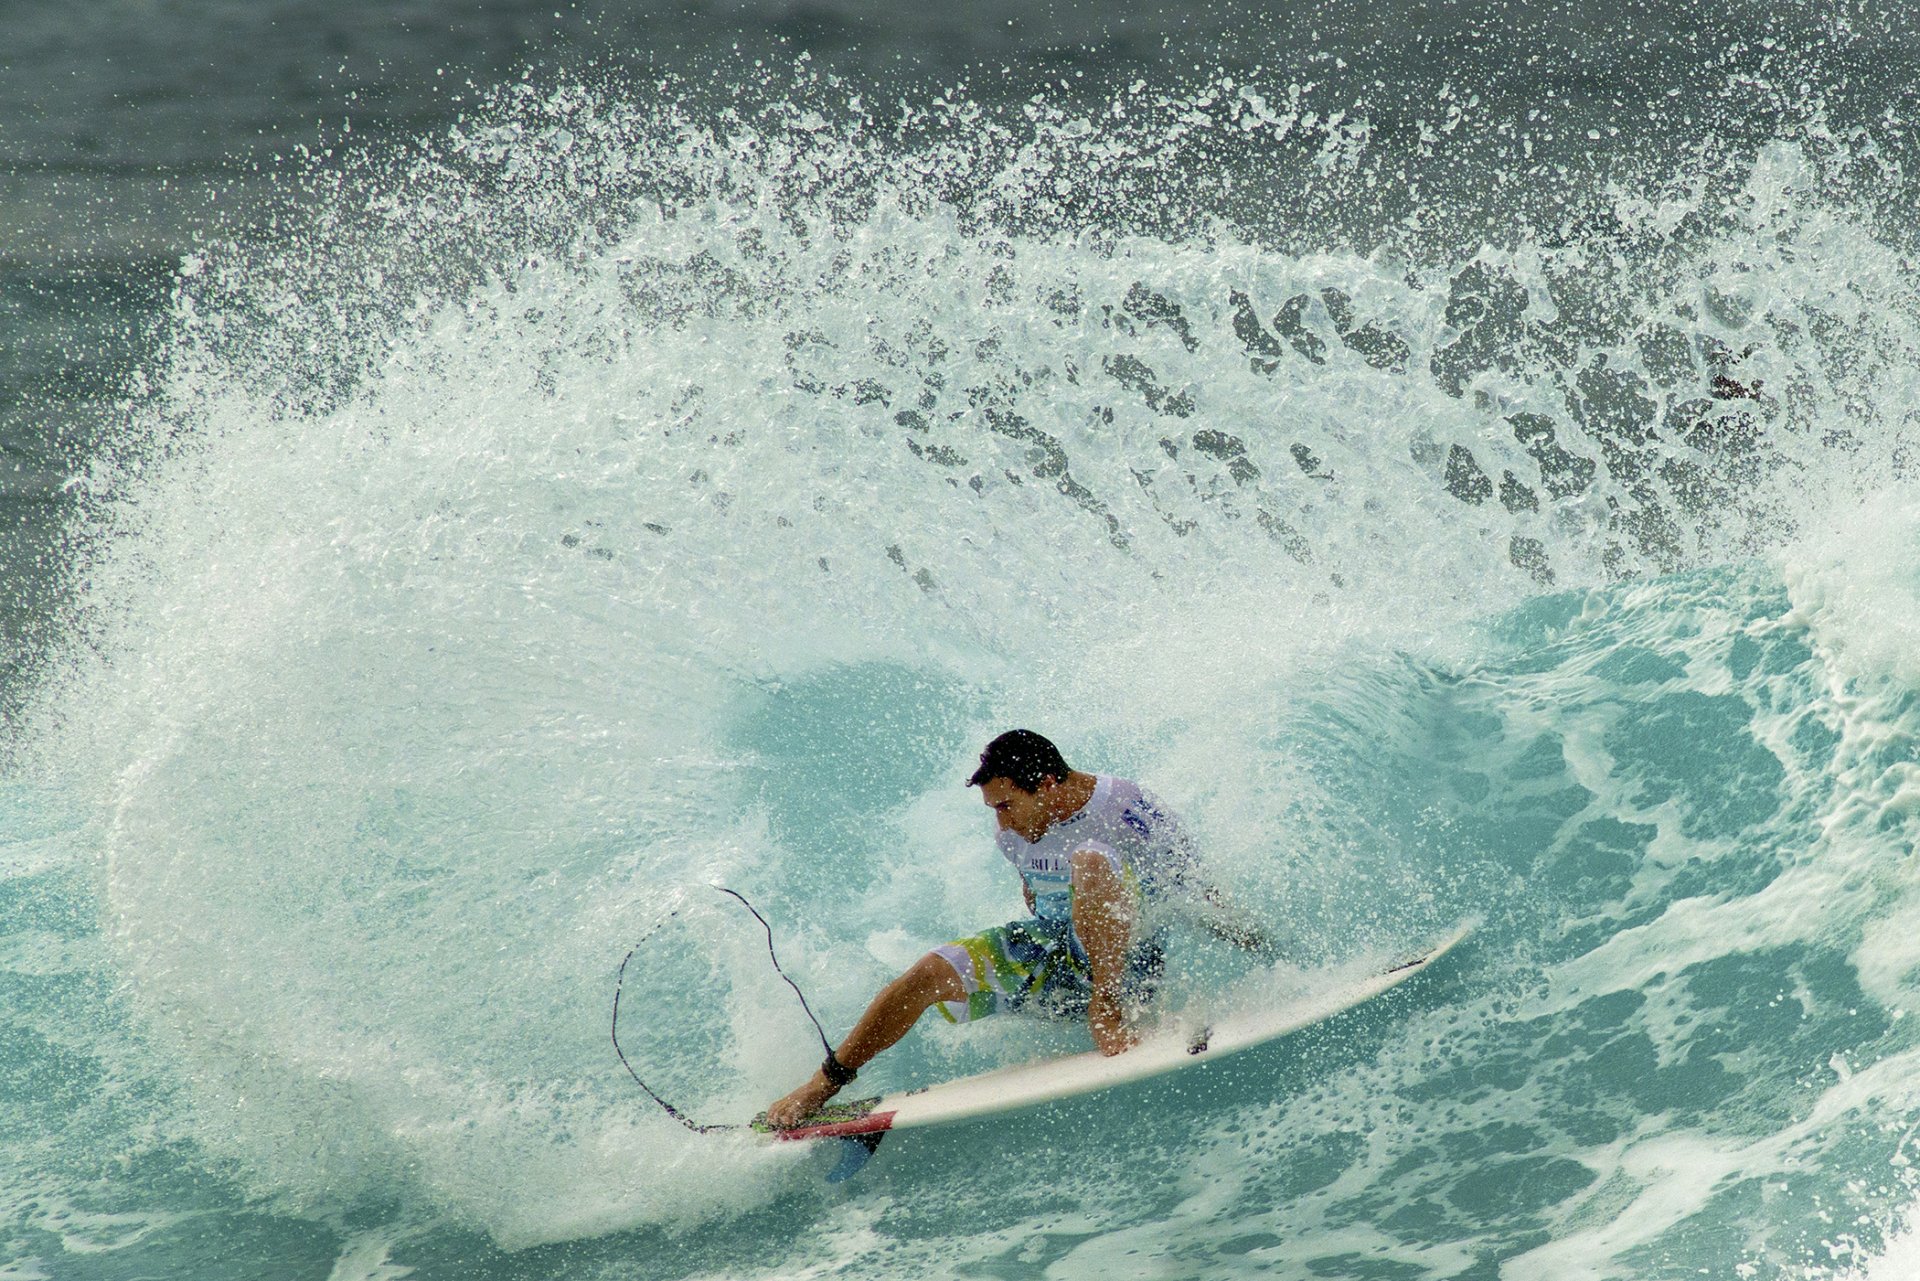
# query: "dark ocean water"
474 475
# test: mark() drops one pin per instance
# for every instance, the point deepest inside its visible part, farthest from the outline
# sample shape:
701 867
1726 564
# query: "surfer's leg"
899 1005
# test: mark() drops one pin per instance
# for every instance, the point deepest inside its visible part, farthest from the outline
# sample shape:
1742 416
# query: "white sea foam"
1856 584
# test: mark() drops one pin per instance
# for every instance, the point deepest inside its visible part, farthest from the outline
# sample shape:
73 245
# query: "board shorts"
1038 966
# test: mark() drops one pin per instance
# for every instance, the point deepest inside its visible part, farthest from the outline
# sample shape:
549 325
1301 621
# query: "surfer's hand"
802 1103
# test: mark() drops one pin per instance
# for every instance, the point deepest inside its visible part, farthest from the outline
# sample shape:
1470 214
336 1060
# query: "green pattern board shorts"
1038 966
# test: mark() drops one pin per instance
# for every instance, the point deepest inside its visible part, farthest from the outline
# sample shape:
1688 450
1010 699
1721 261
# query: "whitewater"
623 492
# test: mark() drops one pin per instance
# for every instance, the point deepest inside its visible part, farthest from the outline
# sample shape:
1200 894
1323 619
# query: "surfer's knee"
932 978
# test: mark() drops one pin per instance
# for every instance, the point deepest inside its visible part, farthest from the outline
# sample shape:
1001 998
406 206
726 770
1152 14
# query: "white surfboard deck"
1169 1049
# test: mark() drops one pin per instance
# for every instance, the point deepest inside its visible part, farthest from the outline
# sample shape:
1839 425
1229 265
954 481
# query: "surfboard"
1167 1049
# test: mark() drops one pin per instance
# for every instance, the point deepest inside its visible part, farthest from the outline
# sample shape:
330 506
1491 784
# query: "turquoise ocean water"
631 486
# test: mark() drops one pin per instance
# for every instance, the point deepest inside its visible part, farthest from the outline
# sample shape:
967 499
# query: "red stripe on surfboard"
872 1123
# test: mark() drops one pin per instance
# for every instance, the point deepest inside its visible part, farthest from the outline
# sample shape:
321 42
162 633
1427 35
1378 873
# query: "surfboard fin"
855 1151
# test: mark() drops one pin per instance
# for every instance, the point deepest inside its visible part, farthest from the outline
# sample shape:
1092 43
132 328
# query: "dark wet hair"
1023 758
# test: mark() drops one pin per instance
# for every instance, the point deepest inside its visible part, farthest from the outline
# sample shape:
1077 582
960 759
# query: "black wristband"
836 1072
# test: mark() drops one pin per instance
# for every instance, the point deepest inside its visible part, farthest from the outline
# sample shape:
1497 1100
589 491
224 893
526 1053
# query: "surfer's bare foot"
803 1102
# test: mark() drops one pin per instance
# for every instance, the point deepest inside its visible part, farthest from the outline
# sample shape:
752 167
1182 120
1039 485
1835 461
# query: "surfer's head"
1023 758
1020 779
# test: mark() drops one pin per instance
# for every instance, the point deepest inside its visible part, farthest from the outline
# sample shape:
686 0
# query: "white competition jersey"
1136 833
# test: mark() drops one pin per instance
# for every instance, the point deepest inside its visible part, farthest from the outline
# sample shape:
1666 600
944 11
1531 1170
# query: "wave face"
622 494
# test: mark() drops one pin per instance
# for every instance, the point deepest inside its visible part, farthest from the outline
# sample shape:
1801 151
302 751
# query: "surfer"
1092 851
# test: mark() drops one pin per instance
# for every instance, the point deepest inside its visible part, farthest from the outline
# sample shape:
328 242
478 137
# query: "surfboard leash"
620 982
665 1106
775 958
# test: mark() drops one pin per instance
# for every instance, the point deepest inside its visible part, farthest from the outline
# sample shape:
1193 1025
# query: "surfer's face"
1015 810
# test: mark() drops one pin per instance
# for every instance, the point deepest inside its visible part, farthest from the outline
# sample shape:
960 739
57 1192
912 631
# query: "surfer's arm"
1214 911
1027 891
1103 918
1228 923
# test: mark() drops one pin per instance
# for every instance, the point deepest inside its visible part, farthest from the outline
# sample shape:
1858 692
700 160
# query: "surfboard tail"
873 1124
840 1119
854 1128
